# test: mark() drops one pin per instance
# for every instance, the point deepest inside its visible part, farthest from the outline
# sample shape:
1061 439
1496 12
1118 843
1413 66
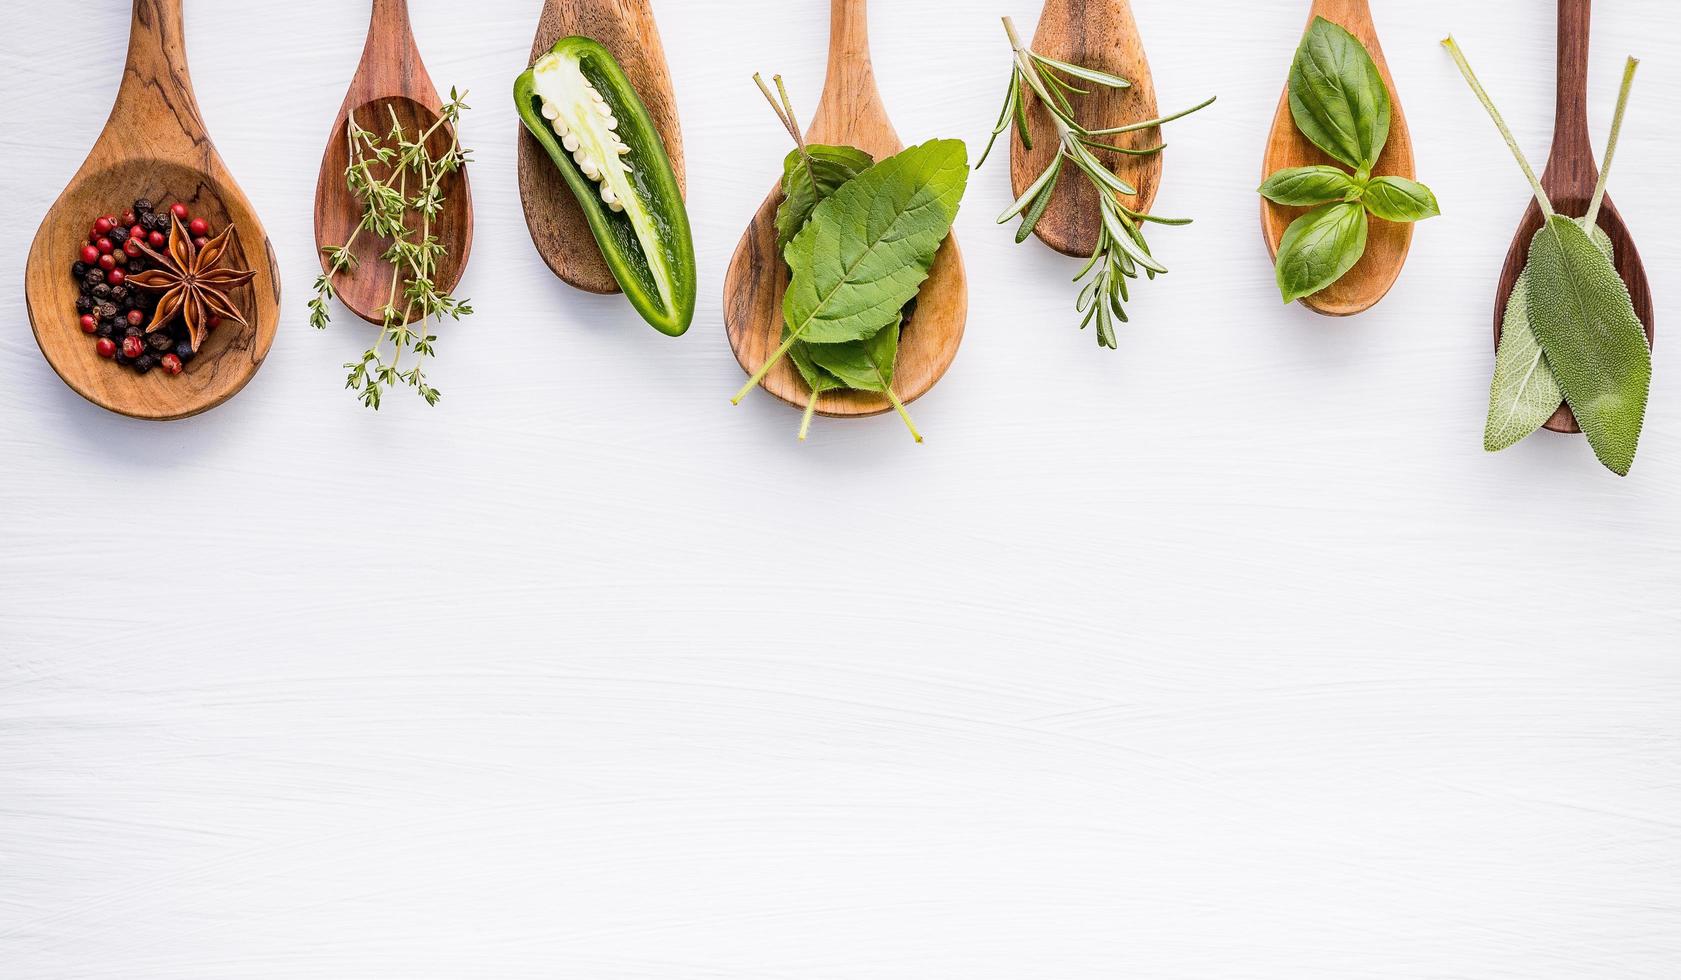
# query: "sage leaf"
831 166
868 247
1337 96
1319 248
1525 394
1400 199
1307 186
1581 311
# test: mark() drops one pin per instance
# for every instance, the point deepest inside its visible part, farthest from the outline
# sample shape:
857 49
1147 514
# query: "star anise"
194 281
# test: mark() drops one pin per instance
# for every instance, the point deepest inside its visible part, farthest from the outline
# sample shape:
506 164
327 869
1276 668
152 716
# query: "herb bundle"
1121 251
1339 102
859 237
1570 332
401 206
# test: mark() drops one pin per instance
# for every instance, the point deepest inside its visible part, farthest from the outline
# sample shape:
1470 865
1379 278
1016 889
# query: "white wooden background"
1228 655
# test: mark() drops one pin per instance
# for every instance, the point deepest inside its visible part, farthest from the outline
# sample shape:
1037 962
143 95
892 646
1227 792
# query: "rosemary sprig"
392 211
1122 252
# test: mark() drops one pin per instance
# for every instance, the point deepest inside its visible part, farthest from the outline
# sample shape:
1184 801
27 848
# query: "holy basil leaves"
1339 102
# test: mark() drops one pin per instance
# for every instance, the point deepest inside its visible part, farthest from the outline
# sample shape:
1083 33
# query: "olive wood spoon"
1098 34
390 79
1569 182
850 113
1387 242
154 146
558 229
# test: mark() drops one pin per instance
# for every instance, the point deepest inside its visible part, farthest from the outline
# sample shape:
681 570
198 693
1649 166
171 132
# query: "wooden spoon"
1569 181
1387 242
850 113
154 146
558 229
1098 34
390 80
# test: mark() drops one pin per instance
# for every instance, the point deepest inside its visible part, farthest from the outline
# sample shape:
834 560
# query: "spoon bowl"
1569 181
556 222
1387 243
850 113
391 83
1099 34
155 146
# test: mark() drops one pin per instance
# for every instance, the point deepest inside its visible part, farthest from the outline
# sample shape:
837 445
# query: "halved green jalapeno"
580 106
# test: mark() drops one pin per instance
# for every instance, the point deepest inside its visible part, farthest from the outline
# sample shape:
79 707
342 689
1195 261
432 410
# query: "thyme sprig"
401 207
1122 252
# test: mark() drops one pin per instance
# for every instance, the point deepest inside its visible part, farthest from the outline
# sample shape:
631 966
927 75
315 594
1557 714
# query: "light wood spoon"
390 79
154 146
1387 242
1098 34
558 229
1569 182
851 114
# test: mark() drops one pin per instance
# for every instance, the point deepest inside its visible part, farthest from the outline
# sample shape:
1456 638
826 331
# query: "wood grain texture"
1569 181
558 228
850 113
154 145
1099 34
391 81
1387 243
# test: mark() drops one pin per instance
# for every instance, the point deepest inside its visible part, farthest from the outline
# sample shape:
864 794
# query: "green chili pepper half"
578 103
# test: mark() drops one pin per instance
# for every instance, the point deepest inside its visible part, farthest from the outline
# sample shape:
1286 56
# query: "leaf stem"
1505 131
1592 217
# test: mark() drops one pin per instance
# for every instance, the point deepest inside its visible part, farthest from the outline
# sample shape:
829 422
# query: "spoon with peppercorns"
154 148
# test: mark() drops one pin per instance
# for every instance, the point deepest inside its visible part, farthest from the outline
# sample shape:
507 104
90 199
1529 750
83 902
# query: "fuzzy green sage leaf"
1582 312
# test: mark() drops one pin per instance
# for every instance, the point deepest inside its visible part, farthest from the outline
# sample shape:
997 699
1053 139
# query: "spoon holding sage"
1570 327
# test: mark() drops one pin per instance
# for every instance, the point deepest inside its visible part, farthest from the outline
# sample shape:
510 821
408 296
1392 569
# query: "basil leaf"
833 167
868 247
1306 186
1319 248
1525 394
1400 199
1337 96
1581 311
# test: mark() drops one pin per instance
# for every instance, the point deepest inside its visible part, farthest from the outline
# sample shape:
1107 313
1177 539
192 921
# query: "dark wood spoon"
1098 34
1388 242
1569 181
390 79
154 146
558 229
850 113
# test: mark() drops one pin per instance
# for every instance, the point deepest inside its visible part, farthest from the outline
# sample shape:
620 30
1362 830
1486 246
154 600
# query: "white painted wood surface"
1229 655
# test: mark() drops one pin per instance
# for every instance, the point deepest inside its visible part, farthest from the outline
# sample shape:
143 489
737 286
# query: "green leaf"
1319 248
1085 74
1337 96
1581 311
833 166
1307 186
1400 199
864 365
867 248
1524 394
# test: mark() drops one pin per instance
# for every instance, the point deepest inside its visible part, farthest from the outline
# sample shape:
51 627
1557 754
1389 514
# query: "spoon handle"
157 62
851 110
390 17
1570 126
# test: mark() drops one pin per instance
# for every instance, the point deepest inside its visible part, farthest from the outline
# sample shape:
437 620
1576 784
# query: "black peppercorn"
93 278
119 294
101 291
132 331
105 311
144 206
84 304
79 270
184 350
118 236
143 364
160 342
104 330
